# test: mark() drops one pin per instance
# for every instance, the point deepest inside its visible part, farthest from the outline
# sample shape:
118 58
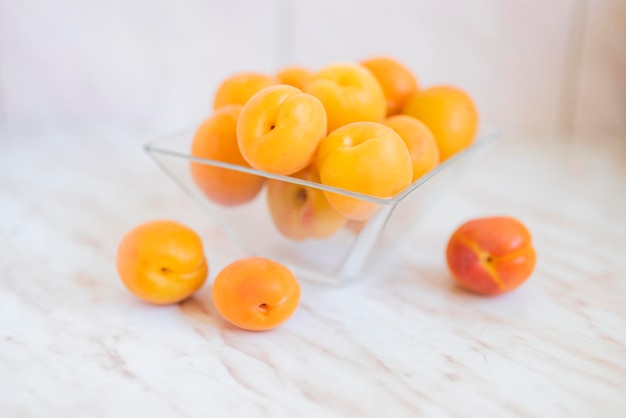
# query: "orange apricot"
349 92
491 255
294 76
364 157
239 88
419 140
451 115
162 262
301 212
280 128
216 139
256 294
397 81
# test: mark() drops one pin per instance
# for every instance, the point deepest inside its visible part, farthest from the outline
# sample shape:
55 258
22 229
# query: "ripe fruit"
419 141
216 139
397 81
162 262
256 294
280 128
294 76
491 255
349 92
450 114
239 88
301 212
363 157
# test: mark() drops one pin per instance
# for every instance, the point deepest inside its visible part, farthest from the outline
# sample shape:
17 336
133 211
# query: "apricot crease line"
482 256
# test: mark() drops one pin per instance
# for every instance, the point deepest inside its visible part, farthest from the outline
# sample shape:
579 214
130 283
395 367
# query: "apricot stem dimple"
487 260
264 308
301 195
166 270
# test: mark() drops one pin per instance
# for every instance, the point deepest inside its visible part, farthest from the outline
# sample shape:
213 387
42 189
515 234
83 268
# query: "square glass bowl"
336 259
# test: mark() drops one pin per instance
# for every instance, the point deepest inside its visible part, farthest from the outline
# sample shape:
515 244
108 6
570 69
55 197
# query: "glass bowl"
336 259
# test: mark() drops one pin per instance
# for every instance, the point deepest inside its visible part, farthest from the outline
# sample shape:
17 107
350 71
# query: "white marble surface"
404 341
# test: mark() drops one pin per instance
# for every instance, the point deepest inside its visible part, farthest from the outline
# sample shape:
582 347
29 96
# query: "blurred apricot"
256 294
301 212
451 115
397 81
419 140
349 93
294 76
239 88
216 139
162 262
491 255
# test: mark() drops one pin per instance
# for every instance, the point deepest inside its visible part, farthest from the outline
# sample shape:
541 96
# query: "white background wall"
545 67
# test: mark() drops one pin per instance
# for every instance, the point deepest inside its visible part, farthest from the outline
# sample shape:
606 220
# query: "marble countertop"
402 341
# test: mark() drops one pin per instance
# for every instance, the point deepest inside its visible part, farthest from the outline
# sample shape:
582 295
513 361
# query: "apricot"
451 115
294 76
256 294
491 255
397 81
301 212
363 157
349 92
419 140
216 139
280 128
162 262
239 88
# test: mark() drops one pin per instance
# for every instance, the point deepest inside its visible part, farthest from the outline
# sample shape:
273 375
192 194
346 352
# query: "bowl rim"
484 136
